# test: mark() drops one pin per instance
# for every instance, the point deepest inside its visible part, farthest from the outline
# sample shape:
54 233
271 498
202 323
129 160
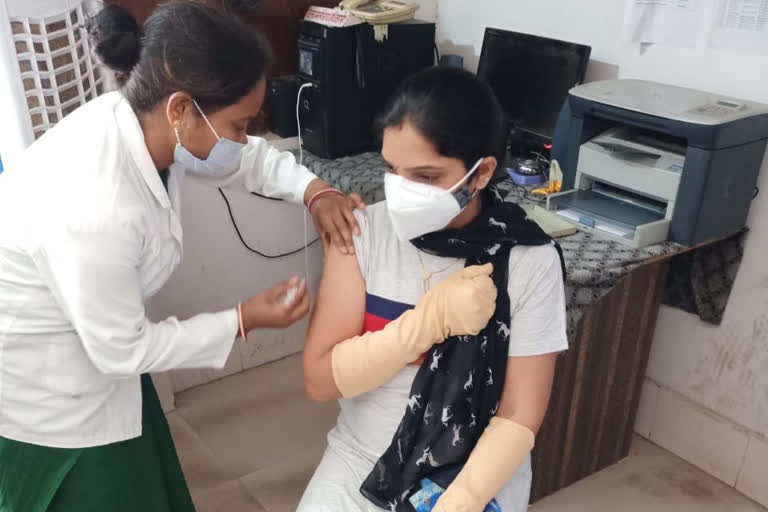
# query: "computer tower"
333 113
281 105
352 75
408 48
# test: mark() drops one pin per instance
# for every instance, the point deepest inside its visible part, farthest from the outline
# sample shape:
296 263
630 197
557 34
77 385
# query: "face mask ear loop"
206 119
466 177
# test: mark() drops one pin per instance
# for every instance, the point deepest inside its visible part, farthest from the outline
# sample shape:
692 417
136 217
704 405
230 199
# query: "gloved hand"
461 304
496 456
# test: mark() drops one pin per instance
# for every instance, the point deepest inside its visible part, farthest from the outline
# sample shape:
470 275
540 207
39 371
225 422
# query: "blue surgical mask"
222 161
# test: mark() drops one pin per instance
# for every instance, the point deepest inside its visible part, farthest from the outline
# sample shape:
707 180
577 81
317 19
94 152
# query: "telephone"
380 12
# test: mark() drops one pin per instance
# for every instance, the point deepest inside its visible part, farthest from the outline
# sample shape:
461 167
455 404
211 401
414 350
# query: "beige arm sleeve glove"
498 453
461 304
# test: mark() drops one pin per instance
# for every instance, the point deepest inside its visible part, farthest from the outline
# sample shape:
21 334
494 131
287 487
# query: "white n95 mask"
223 160
416 209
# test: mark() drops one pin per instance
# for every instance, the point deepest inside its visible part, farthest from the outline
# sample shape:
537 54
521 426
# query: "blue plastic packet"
426 498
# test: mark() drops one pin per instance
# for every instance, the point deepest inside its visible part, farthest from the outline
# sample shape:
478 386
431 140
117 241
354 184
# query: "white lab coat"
87 235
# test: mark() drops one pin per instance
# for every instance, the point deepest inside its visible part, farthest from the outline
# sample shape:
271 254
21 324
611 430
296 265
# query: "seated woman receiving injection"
444 373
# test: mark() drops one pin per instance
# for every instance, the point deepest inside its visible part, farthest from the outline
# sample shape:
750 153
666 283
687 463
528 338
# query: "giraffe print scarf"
457 390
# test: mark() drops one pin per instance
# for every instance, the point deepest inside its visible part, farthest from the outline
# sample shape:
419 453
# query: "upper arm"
265 170
537 334
527 388
537 294
338 314
273 173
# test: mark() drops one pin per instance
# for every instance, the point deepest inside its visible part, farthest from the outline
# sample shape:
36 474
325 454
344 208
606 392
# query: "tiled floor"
650 479
249 443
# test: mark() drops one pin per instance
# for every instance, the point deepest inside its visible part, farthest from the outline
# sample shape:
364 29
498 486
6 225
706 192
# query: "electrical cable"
307 244
527 195
298 120
251 249
301 162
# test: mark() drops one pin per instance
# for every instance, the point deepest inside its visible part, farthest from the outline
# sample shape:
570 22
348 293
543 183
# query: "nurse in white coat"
90 228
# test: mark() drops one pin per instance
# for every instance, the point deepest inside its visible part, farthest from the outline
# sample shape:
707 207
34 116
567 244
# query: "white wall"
217 272
707 394
427 10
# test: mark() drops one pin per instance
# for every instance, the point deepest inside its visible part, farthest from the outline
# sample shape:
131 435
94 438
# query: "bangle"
321 193
240 321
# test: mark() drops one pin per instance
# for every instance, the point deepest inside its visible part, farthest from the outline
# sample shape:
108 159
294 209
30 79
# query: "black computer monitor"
531 76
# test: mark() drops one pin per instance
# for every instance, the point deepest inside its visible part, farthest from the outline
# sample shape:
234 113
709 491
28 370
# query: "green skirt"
141 474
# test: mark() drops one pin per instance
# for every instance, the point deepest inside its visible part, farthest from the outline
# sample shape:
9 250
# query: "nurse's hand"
268 310
334 221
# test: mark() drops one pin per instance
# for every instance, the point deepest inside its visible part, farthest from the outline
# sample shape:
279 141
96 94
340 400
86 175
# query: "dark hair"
184 46
240 6
454 110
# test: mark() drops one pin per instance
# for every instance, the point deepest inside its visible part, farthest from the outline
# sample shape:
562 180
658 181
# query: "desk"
702 279
613 295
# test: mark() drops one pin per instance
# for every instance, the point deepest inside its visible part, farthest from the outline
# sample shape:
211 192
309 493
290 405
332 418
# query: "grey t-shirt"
393 280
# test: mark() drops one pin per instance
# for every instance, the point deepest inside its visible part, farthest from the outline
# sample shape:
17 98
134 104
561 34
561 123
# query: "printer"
645 162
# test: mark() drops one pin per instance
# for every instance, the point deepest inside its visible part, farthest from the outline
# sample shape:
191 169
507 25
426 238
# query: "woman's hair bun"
116 38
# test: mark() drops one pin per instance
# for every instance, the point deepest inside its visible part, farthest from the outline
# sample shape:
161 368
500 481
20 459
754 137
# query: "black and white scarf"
457 390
